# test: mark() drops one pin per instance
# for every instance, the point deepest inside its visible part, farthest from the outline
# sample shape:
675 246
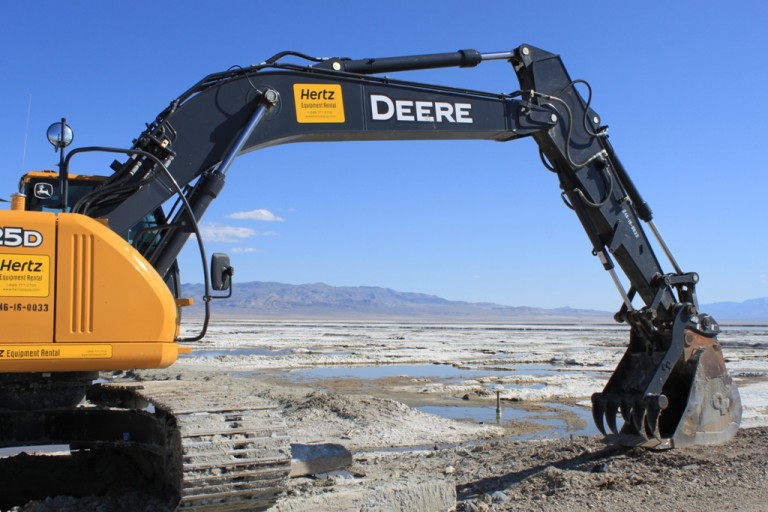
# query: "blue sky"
679 83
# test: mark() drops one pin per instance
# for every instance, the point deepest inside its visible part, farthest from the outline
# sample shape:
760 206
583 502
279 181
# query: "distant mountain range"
754 310
318 300
321 301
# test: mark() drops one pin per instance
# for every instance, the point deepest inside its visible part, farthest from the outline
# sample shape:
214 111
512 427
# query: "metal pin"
498 388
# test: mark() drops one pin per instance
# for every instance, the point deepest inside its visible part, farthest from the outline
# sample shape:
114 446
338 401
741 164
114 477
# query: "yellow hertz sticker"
24 275
28 352
318 103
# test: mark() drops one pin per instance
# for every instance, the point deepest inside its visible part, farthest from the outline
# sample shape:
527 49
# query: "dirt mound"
363 422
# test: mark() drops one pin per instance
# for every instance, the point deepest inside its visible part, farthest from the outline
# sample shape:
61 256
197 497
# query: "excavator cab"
42 193
43 189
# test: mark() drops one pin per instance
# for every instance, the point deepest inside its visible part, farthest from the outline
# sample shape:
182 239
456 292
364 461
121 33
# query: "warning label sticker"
24 275
27 352
318 103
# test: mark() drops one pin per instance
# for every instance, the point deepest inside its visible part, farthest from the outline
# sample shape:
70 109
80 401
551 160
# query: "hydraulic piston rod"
461 59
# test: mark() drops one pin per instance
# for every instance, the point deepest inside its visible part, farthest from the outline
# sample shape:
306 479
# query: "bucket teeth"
652 422
626 408
638 419
641 415
598 411
605 411
654 405
612 407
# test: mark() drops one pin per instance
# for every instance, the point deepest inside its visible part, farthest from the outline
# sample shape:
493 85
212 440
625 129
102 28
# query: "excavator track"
194 445
225 450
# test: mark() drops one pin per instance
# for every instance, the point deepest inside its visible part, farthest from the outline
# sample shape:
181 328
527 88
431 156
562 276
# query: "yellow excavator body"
75 296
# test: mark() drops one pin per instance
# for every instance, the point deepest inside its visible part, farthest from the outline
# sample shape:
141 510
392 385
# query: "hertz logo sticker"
24 275
318 103
27 352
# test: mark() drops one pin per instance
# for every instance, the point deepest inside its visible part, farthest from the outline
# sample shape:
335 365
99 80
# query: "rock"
499 497
476 506
308 459
470 506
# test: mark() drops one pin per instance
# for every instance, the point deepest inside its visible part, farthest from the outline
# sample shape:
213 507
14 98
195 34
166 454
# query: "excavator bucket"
678 396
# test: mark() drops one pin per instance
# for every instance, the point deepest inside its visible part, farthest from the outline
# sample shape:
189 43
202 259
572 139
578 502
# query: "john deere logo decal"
43 190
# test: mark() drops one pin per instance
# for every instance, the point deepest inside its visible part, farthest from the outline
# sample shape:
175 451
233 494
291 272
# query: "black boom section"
305 105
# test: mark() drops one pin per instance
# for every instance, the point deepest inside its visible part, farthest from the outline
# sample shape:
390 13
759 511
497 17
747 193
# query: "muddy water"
548 371
406 384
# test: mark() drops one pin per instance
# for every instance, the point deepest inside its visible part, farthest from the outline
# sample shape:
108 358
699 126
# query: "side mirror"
221 272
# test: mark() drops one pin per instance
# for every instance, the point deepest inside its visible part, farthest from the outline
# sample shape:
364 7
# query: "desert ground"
416 406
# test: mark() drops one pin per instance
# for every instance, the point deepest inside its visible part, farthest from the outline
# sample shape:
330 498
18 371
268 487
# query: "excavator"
89 279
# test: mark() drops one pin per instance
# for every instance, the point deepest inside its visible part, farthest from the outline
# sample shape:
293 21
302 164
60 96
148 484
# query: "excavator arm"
671 387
